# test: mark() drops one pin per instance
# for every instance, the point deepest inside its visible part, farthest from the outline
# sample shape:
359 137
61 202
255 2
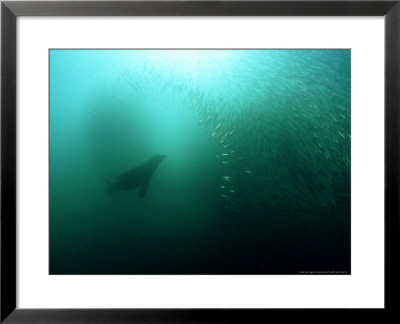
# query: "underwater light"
188 62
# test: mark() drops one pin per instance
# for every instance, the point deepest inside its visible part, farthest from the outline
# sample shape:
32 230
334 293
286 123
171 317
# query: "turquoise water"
256 174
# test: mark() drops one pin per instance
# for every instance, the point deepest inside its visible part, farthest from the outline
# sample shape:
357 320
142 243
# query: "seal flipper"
143 189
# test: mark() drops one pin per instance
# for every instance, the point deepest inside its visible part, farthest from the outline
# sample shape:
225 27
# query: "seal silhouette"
136 177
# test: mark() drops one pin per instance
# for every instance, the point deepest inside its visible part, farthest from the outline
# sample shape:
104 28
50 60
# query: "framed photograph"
198 161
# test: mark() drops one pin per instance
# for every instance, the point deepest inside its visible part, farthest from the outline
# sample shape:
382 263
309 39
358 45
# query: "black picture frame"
10 10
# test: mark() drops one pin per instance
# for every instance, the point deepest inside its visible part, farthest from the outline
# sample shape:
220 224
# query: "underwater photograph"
199 161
